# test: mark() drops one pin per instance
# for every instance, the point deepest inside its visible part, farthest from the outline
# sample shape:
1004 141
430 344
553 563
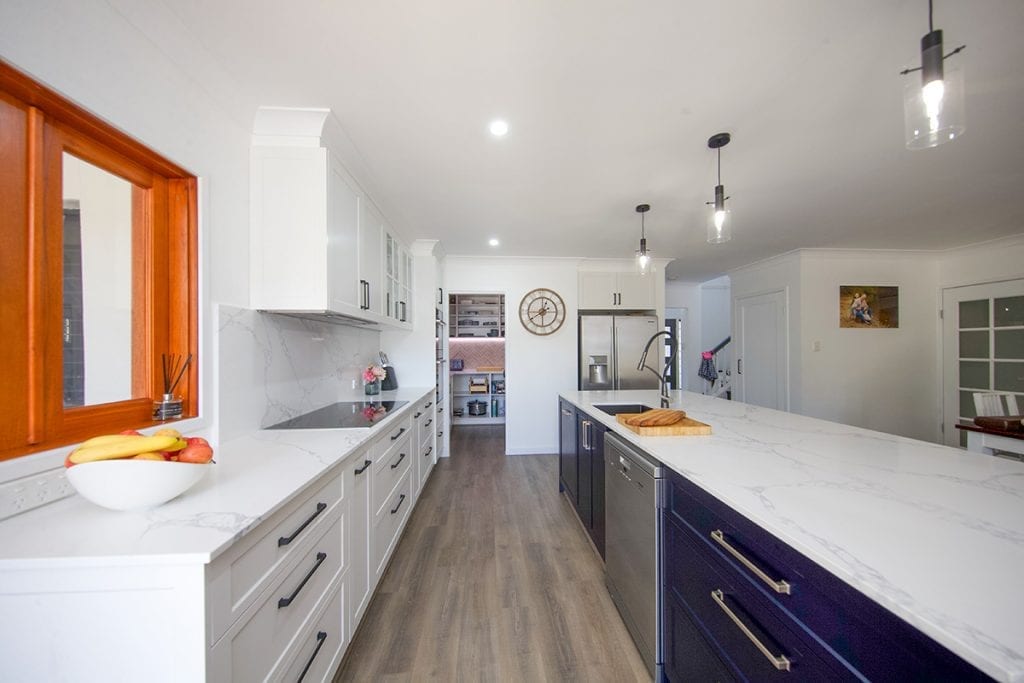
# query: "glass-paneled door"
982 348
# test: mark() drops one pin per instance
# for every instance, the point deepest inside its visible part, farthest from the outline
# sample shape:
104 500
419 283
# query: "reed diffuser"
174 367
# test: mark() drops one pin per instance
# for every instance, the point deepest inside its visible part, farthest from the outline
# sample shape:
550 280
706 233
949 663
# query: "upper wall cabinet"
616 291
318 241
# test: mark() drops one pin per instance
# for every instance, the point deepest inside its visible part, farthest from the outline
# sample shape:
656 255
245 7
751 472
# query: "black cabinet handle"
440 295
366 463
403 311
401 499
284 602
387 303
321 636
428 451
416 415
428 405
400 432
399 461
285 540
427 424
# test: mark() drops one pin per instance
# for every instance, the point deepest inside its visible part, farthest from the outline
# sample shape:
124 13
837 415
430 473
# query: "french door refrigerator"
610 346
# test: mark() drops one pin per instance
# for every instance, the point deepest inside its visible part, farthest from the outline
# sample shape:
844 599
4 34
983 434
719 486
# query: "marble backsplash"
272 367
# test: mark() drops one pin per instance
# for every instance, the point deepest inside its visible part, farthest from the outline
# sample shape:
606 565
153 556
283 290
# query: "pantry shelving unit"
492 397
477 315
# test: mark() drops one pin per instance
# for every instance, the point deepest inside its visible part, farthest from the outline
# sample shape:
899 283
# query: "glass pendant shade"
719 225
933 99
719 219
643 261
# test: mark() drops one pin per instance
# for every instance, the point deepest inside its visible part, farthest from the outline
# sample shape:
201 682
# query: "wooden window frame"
164 263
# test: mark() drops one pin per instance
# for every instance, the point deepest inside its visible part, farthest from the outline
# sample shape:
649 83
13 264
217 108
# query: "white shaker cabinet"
616 291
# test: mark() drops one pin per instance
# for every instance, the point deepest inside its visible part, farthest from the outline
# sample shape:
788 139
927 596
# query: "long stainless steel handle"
586 446
567 413
284 602
321 636
780 662
780 586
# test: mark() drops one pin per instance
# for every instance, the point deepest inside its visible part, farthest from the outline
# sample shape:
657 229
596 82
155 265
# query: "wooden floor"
494 579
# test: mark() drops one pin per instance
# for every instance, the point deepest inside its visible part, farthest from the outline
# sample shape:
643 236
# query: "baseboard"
539 450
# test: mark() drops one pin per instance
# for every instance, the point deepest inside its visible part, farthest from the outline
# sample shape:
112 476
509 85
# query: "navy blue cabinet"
581 468
567 456
749 607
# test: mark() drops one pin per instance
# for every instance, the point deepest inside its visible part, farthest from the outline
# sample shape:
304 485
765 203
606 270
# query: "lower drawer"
264 633
752 641
388 522
321 648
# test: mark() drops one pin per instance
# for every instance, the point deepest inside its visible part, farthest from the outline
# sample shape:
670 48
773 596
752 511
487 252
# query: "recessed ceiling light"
493 242
498 128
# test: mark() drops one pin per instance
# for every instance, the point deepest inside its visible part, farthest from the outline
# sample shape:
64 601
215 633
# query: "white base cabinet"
280 603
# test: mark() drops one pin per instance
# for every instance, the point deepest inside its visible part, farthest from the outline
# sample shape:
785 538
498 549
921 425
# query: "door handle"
739 366
399 461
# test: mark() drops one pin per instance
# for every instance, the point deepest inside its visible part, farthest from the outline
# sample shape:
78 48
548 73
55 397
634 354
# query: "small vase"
372 388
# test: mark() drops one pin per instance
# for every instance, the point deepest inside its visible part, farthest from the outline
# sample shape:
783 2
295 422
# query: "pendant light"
720 220
933 108
643 256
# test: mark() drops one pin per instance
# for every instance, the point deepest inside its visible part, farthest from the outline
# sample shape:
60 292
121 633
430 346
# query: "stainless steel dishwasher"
633 497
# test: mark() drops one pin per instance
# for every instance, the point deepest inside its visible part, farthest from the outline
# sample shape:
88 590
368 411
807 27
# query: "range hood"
331 317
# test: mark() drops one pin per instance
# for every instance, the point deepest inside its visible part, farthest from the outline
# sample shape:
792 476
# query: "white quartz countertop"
935 534
252 478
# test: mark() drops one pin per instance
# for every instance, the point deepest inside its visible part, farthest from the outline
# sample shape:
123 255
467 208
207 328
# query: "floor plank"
494 579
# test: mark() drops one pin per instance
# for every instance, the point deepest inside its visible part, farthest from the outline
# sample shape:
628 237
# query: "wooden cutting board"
685 427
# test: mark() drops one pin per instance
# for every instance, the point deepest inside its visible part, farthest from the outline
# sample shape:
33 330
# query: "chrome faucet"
663 381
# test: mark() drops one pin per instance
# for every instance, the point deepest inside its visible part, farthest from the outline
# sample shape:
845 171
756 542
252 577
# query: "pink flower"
371 413
374 373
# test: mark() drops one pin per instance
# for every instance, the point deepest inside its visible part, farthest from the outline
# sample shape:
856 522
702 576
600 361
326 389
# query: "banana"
107 439
148 456
181 443
122 449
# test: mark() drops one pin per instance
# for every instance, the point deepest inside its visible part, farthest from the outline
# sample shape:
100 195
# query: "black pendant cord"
930 27
719 165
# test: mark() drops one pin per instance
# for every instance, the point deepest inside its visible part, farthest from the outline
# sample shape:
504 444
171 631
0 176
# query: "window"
98 273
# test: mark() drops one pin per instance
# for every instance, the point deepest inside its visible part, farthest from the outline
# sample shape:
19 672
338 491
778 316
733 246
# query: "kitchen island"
933 534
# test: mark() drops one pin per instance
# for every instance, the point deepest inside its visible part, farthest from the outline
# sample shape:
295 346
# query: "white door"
762 372
982 348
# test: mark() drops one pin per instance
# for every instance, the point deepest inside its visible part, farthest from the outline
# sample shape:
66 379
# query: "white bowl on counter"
128 484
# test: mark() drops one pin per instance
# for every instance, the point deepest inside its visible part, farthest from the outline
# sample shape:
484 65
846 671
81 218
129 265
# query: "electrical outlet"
27 493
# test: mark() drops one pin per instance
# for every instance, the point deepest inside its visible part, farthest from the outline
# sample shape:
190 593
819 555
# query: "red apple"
67 461
197 453
196 441
131 432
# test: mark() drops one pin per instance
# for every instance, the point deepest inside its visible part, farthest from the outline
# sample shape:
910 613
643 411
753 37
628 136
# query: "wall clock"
542 311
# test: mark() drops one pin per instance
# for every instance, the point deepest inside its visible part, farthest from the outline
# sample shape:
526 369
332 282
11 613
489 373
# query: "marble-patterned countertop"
935 534
253 477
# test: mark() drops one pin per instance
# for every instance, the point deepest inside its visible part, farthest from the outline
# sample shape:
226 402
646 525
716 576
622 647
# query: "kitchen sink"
616 408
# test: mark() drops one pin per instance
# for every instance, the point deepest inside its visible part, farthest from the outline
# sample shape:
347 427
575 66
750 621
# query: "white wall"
987 262
536 368
872 378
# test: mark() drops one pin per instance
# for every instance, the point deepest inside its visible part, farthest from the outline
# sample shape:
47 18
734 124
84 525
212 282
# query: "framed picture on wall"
869 306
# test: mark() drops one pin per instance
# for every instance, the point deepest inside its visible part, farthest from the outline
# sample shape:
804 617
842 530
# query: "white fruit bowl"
134 484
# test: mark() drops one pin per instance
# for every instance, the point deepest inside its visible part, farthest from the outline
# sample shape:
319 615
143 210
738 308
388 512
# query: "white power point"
27 493
353 384
816 346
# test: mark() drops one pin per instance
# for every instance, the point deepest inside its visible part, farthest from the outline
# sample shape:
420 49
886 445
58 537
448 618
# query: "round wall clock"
542 311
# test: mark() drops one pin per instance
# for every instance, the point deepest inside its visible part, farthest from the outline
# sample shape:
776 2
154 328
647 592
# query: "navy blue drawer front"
754 642
688 656
864 636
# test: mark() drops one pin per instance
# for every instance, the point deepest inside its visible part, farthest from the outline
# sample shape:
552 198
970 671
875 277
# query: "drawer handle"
321 636
428 451
398 462
416 415
285 540
427 424
778 586
366 463
778 661
401 499
428 405
284 602
400 432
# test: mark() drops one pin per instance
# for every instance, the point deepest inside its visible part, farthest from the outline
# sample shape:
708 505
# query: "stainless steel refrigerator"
610 346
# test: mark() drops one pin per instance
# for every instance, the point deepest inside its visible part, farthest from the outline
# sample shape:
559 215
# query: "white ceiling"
611 103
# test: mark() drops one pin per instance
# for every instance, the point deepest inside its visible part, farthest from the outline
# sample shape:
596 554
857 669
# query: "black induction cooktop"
343 415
